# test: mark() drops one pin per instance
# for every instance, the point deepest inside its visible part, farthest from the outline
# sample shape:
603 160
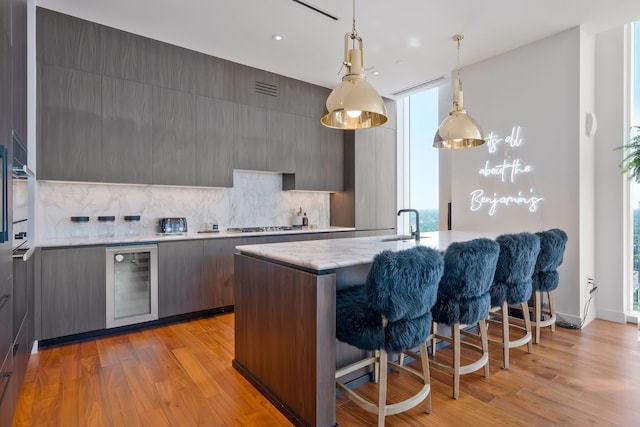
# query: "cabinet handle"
4 234
3 300
4 375
28 254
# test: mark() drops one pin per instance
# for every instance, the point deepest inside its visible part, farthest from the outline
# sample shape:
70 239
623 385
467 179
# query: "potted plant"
631 162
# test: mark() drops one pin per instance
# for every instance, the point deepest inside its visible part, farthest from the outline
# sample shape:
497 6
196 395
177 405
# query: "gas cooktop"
259 229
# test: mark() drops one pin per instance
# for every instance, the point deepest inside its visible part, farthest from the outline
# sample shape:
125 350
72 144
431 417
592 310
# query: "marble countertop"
322 255
117 240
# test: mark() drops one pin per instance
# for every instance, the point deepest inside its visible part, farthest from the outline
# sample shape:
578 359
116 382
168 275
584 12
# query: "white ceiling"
407 41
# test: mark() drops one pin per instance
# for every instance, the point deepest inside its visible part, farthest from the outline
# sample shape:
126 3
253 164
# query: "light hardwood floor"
181 375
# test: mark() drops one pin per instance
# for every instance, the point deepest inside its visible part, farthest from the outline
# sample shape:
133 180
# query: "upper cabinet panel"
68 42
282 137
130 57
214 142
167 115
69 143
250 137
205 75
255 87
126 131
174 143
19 65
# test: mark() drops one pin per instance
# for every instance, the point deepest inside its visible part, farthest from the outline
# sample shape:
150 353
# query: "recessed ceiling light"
376 73
277 37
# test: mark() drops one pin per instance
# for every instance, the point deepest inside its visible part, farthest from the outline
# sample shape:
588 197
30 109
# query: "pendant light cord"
353 28
458 60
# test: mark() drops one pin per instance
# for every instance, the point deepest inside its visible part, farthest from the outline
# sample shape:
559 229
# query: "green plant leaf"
631 161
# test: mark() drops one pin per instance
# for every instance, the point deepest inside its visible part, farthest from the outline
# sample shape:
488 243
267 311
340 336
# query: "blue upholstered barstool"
512 286
463 299
391 313
546 278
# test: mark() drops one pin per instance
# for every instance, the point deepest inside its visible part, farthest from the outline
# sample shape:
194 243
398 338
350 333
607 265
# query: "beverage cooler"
132 284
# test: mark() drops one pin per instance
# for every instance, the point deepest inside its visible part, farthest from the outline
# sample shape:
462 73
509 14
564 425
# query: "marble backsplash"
256 199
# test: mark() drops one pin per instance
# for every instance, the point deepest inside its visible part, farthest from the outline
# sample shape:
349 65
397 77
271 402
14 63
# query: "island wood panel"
285 337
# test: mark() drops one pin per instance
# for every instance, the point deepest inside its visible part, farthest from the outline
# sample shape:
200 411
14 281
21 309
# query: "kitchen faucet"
415 233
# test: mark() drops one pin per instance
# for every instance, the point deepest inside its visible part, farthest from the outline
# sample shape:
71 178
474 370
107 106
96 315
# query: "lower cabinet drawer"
21 353
7 394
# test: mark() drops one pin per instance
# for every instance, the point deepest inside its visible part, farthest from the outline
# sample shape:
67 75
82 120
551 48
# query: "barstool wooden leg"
484 339
424 358
434 331
527 325
376 367
537 304
552 309
382 387
504 314
455 336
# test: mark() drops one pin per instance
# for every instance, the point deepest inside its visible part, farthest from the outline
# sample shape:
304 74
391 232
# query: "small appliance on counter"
209 227
296 221
172 226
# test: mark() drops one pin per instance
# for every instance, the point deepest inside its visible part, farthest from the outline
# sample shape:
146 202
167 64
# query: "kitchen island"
285 297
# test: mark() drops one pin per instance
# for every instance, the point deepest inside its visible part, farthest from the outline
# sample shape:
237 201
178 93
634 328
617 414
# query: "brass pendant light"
354 103
458 130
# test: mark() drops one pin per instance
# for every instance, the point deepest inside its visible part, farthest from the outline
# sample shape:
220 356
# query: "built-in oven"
132 284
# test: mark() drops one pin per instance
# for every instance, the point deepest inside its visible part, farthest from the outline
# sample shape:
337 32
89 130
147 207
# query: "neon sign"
508 171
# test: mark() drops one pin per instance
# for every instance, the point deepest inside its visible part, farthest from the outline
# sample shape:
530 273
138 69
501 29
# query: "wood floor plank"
180 375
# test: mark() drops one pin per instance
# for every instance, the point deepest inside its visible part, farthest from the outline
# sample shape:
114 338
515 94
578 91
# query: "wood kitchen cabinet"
255 87
332 155
68 42
126 131
180 285
19 66
214 142
369 200
118 107
318 158
196 275
217 270
73 294
174 137
283 135
385 179
69 143
249 137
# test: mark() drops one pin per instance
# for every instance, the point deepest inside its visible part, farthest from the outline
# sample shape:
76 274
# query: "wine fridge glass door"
132 284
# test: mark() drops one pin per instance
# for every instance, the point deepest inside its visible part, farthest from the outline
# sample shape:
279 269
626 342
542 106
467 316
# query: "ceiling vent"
266 89
316 9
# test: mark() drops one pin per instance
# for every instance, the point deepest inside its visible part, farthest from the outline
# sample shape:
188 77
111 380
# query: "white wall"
612 210
586 149
536 89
